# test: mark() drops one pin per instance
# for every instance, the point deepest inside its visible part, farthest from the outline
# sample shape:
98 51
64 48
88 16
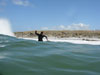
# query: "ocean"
29 57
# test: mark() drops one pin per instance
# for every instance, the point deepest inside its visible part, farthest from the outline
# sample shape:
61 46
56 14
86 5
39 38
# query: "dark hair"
41 32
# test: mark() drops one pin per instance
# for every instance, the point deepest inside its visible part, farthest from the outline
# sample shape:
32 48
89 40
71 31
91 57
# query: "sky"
27 15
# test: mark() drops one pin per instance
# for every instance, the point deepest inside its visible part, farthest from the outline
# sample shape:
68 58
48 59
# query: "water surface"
29 57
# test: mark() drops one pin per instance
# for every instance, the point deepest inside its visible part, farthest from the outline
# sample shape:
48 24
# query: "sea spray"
5 27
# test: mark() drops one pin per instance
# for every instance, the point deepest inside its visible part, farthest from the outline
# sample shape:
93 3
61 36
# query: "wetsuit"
40 36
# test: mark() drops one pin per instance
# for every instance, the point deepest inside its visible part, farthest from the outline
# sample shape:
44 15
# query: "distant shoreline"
85 34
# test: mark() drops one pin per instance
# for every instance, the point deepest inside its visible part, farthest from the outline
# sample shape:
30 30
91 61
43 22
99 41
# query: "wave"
70 40
78 41
8 39
21 56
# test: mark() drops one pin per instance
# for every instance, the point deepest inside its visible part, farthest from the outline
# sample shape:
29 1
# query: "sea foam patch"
78 41
71 40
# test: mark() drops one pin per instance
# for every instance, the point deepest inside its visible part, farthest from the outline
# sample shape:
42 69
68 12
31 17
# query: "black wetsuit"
40 36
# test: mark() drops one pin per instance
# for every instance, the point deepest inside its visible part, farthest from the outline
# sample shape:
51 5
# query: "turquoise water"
29 57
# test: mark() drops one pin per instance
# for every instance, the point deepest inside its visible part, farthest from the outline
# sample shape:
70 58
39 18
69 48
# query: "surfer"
41 36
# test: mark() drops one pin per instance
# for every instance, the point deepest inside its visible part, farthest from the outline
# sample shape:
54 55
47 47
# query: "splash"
5 27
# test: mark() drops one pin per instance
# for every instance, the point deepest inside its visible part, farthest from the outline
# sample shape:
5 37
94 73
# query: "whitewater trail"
74 41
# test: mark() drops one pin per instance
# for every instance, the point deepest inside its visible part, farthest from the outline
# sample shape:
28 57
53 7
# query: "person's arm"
46 38
36 33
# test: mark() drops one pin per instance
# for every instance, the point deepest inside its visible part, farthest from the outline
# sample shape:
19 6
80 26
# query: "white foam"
2 45
78 41
5 27
2 57
72 40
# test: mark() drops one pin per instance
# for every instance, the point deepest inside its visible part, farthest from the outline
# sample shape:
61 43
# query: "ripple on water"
2 45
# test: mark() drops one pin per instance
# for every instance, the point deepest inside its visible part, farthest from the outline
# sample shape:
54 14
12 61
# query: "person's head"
42 33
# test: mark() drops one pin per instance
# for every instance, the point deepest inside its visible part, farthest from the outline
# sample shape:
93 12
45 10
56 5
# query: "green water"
29 57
